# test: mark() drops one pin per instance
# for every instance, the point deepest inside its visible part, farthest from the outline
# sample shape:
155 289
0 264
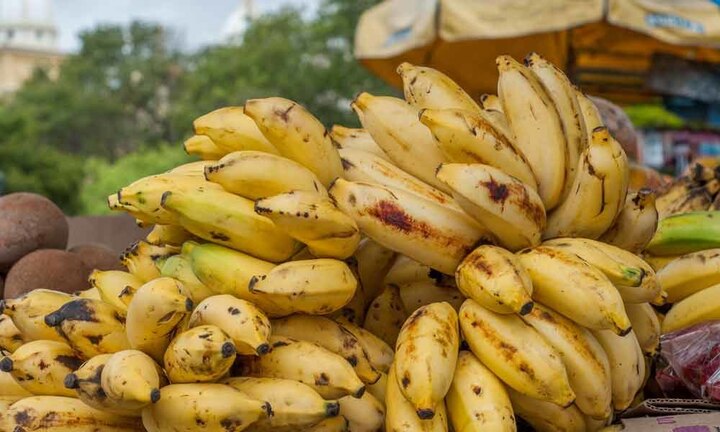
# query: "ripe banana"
598 192
689 274
646 325
196 168
421 293
313 220
155 311
494 278
203 407
425 231
477 400
316 287
10 336
635 225
141 218
587 365
694 199
697 308
386 315
379 354
242 321
335 424
357 139
64 414
5 403
354 310
659 263
531 113
203 147
40 367
174 235
627 365
516 353
201 354
9 387
685 233
405 270
427 87
254 175
491 101
395 127
90 293
230 220
400 415
230 129
297 134
567 284
379 389
509 209
330 335
374 262
132 378
86 381
112 283
468 137
142 259
28 313
545 416
591 115
326 372
366 414
294 404
92 327
179 267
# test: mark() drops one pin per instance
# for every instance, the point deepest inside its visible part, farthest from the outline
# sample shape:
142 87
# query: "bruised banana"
694 309
142 259
313 220
428 232
10 336
203 147
40 367
356 139
627 365
174 235
28 313
297 134
179 267
635 225
254 175
400 415
112 283
366 414
132 378
201 354
422 293
690 274
386 315
646 325
509 209
545 416
379 354
374 262
230 129
86 381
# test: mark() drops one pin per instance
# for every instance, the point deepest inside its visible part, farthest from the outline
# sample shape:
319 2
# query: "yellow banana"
596 425
11 337
230 220
694 199
297 134
491 101
354 310
111 283
646 325
509 209
374 262
689 274
545 416
196 168
335 424
627 365
230 129
203 407
28 313
9 387
201 354
395 127
155 311
423 230
357 139
92 327
659 262
174 235
516 353
294 404
5 403
86 381
313 220
379 389
142 219
386 315
142 259
379 354
405 270
477 399
203 147
400 415
567 284
317 287
40 367
427 87
132 378
591 115
366 414
326 372
179 267
635 225
254 175
699 307
421 293
330 335
90 293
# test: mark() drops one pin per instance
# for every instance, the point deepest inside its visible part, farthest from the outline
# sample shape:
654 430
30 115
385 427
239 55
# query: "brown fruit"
28 222
97 256
47 268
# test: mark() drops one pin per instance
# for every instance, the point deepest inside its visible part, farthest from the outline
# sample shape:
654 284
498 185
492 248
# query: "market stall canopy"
611 48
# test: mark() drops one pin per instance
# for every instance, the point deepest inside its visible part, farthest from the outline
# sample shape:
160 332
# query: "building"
28 40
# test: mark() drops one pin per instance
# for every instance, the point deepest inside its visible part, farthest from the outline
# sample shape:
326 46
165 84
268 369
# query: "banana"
203 407
491 101
28 313
596 425
510 210
425 231
255 175
697 308
90 293
405 270
477 399
379 354
685 233
395 127
40 367
659 263
354 310
203 147
468 137
330 335
422 293
297 134
201 354
646 325
313 220
531 113
316 287
358 139
196 168
425 86
516 353
64 414
9 387
112 283
636 224
157 308
694 199
142 259
400 415
5 403
590 114
335 424
326 372
173 235
11 338
567 284
229 220
379 389
545 416
242 321
374 262
494 278
366 414
386 315
132 378
92 327
587 365
179 267
627 365
86 381
231 129
141 218
689 274
294 404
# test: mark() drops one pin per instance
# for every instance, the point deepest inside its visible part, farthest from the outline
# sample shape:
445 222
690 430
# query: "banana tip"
71 381
154 395
526 308
359 393
189 305
268 409
263 349
227 350
6 364
425 413
332 409
624 332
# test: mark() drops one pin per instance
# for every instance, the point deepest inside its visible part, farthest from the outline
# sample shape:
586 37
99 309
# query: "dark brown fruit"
29 222
47 268
97 256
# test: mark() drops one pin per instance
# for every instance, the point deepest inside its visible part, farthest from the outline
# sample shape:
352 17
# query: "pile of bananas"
452 265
